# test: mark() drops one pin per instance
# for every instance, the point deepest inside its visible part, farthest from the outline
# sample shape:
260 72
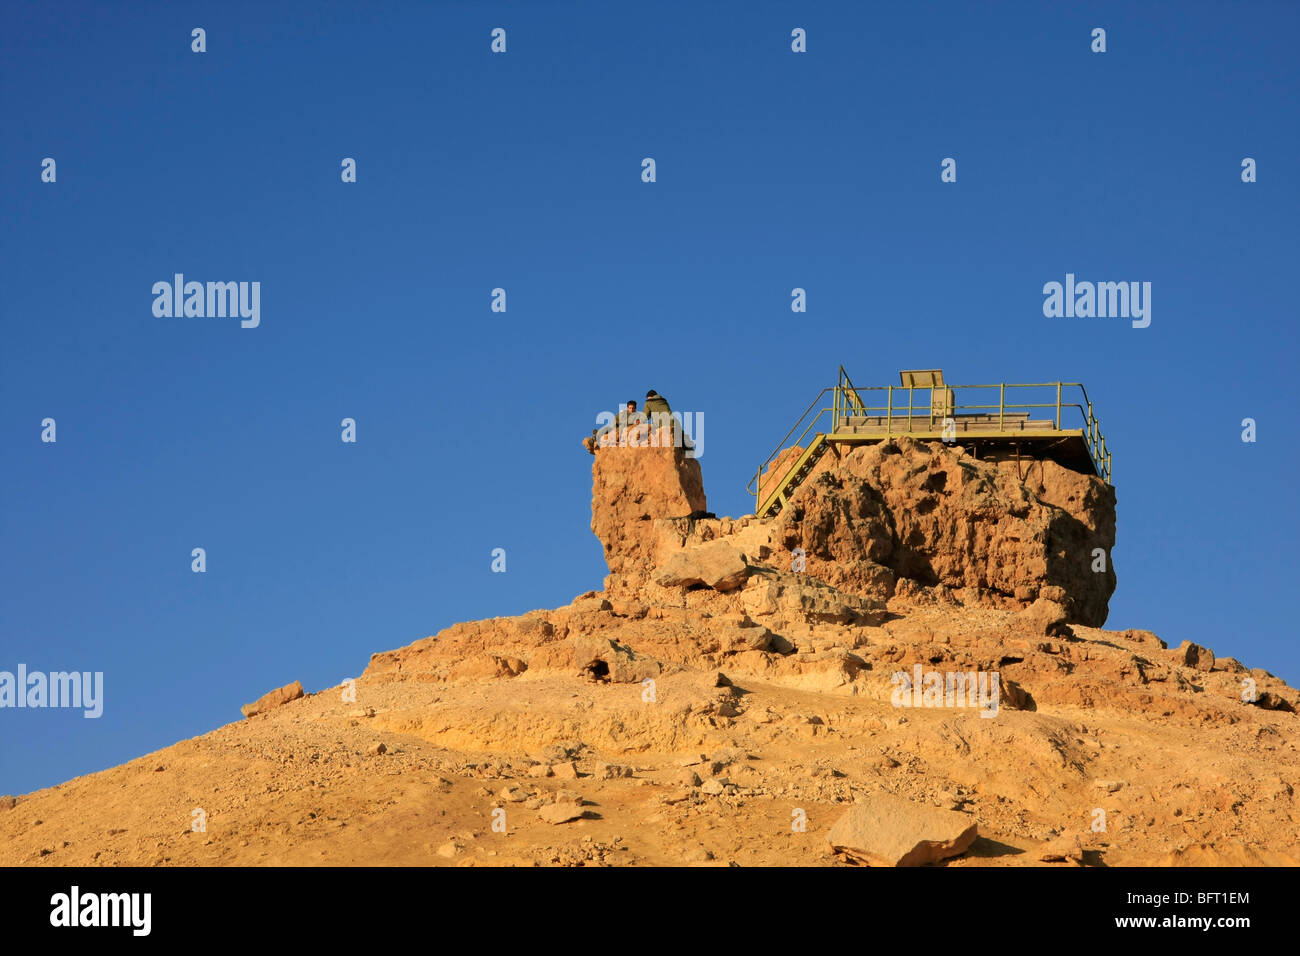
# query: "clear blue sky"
775 170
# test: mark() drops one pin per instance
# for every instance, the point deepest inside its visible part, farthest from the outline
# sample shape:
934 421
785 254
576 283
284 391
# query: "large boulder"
890 831
1193 655
716 565
272 699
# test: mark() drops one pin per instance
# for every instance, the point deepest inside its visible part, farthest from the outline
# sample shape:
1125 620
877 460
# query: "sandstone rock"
726 756
727 708
1014 697
486 666
1267 700
687 778
1143 637
566 807
589 602
272 699
449 849
379 748
559 813
1193 655
602 659
785 598
948 799
1044 617
903 510
8 803
716 565
890 831
630 488
565 771
713 786
1063 848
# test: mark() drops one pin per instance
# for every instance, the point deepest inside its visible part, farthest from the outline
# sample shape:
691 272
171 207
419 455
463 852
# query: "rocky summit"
907 665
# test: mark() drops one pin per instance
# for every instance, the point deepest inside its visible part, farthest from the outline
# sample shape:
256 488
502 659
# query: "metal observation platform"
1050 420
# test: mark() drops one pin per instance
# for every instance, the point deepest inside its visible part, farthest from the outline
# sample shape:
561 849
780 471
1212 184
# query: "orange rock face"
932 516
631 487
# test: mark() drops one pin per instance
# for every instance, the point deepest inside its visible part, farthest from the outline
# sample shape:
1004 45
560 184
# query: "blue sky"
522 170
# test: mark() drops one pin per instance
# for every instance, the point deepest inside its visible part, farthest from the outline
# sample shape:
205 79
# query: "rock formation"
631 488
920 521
717 688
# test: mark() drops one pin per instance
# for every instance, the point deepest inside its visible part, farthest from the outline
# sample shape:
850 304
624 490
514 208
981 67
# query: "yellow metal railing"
811 417
1063 399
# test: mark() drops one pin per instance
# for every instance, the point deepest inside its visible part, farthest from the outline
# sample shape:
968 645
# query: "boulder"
1193 655
716 565
567 806
1014 697
1267 700
1043 617
272 699
602 659
1062 849
890 831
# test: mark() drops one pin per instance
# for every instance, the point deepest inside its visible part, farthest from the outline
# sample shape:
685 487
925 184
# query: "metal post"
1002 404
1058 406
909 411
889 414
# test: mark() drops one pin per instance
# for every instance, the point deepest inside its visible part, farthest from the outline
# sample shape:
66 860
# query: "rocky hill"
907 665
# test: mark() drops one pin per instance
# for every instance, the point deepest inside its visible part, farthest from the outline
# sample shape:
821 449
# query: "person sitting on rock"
627 417
659 416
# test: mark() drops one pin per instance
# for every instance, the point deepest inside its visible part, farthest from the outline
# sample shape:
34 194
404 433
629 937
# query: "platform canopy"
921 377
